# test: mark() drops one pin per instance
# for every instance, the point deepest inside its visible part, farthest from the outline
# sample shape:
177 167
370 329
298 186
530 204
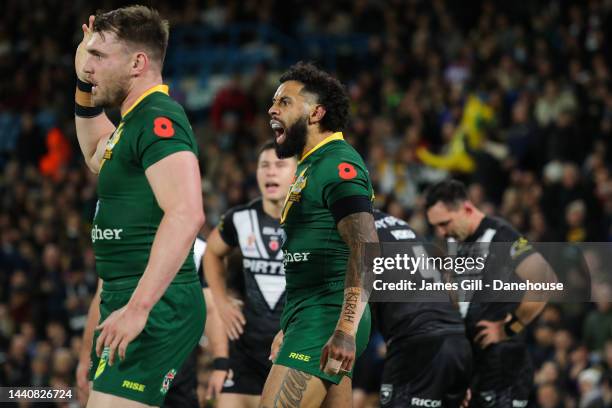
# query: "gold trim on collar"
331 138
156 88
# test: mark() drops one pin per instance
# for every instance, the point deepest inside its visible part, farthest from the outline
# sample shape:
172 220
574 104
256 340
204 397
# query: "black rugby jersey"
411 320
258 236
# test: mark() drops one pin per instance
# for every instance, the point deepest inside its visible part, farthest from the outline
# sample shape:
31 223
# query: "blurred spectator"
549 396
591 395
514 100
598 323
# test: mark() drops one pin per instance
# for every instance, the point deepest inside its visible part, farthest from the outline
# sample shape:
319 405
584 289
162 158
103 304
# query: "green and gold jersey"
315 255
127 214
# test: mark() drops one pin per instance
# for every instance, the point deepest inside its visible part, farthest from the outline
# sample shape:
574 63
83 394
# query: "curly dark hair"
329 92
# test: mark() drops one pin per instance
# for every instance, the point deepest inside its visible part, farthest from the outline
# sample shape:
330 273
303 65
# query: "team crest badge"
386 393
274 245
487 399
112 141
295 193
167 381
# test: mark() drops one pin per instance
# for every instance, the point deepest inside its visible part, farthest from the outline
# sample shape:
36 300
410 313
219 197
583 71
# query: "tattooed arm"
356 230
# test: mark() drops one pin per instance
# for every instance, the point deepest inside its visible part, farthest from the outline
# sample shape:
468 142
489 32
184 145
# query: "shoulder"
251 205
505 231
341 150
160 108
391 228
340 159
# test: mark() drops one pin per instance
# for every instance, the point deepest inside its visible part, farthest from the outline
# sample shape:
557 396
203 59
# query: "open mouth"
279 130
272 187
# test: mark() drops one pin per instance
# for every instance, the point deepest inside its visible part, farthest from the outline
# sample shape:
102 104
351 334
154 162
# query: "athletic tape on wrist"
83 105
221 363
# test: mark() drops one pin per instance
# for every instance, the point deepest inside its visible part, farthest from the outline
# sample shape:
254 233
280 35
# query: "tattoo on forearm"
351 300
356 230
292 389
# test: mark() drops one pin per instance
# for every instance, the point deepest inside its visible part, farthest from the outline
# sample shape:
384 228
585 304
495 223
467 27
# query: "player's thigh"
173 329
102 400
340 395
288 387
238 401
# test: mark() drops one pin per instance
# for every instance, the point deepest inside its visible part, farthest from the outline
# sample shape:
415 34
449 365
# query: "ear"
140 62
468 207
316 115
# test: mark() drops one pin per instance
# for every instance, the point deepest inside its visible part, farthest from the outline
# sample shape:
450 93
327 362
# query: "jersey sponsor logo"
162 127
346 171
299 356
291 257
271 231
403 234
167 381
265 267
295 194
519 403
131 385
386 393
388 221
99 234
422 402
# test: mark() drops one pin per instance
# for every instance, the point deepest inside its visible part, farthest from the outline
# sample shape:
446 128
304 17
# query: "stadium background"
514 98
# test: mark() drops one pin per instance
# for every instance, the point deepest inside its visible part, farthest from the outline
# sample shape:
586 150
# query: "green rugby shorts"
173 329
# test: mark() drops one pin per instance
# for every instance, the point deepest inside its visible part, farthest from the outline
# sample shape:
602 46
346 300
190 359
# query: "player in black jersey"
503 373
428 360
253 228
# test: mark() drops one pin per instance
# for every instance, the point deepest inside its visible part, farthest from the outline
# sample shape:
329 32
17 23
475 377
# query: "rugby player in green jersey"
327 219
149 209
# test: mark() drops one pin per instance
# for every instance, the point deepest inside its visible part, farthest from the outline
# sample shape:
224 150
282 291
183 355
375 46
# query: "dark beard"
295 140
115 96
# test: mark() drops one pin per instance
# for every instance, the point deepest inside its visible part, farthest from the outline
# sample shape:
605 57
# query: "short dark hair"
269 145
329 92
136 25
266 146
450 192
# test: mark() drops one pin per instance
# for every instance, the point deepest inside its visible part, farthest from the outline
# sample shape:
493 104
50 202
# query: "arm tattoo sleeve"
356 230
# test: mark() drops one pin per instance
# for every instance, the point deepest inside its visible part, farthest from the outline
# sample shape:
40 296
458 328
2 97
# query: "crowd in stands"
514 98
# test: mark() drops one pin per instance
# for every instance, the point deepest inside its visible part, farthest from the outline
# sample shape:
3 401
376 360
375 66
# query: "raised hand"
80 56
